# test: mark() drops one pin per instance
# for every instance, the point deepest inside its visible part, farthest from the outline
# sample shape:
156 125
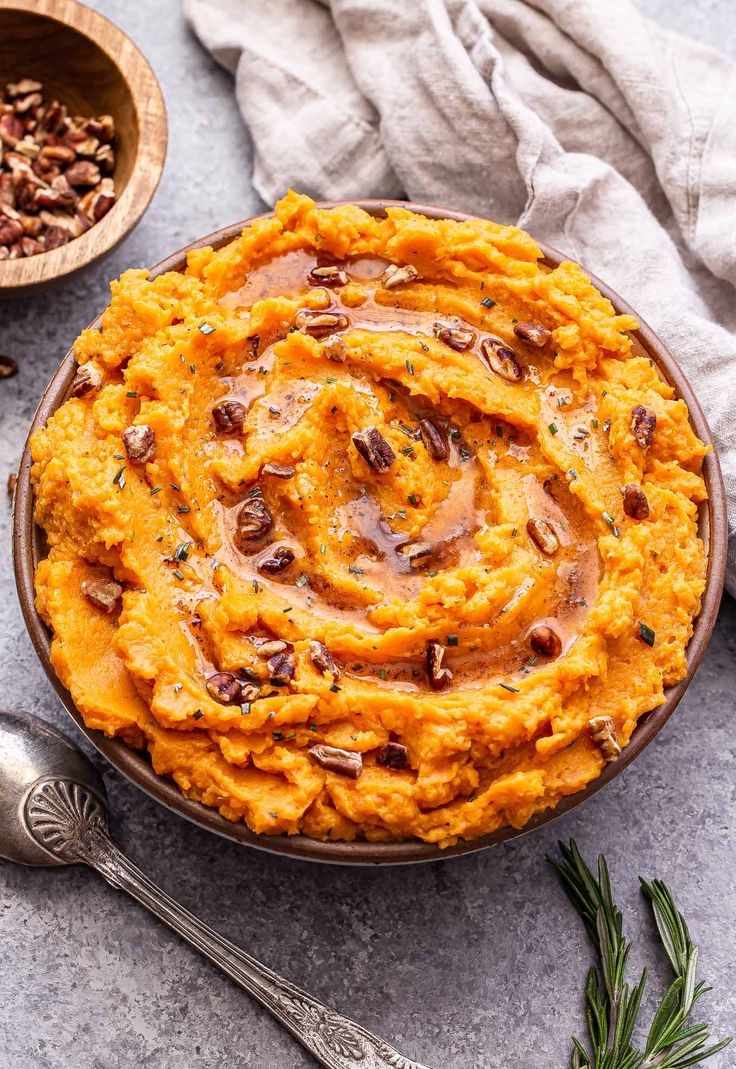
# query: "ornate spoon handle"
70 821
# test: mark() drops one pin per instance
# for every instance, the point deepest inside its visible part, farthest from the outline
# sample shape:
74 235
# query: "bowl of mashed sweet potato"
369 532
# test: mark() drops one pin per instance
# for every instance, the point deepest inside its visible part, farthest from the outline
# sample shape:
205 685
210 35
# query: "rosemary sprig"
612 1007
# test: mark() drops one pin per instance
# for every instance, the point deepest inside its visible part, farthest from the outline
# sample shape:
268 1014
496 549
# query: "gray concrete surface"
478 962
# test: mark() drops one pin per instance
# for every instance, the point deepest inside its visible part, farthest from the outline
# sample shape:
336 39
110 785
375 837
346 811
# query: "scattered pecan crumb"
604 734
417 553
281 667
643 422
344 762
320 324
533 333
545 641
501 359
334 348
271 646
279 471
543 536
87 379
8 367
330 275
393 755
322 659
458 338
225 688
253 521
435 439
439 677
228 416
374 449
103 593
140 443
278 561
395 276
635 502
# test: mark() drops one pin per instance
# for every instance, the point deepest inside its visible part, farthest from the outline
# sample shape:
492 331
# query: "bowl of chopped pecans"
82 140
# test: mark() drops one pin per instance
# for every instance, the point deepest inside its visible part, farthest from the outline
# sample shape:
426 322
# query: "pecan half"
8 367
393 755
228 416
334 348
374 449
344 762
543 536
320 324
83 173
55 237
635 502
281 668
322 659
643 422
103 593
10 230
87 380
225 688
140 443
533 333
328 276
98 201
105 158
501 359
253 521
12 482
458 338
279 561
271 646
604 734
395 276
30 246
545 641
11 129
439 677
22 88
435 439
279 471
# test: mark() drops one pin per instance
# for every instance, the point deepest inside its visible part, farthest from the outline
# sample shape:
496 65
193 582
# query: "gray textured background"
477 962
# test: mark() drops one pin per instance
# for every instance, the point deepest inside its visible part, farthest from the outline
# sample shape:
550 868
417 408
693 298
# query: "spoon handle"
69 821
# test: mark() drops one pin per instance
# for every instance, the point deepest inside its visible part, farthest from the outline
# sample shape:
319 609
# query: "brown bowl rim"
134 764
20 277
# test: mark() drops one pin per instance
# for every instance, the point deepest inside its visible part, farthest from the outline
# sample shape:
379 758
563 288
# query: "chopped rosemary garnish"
183 508
512 690
197 714
452 640
413 499
245 708
175 486
131 393
646 634
156 490
178 574
410 367
553 428
355 569
118 478
182 551
303 580
487 302
206 328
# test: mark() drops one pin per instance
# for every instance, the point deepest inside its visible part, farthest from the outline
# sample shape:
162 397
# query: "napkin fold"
581 121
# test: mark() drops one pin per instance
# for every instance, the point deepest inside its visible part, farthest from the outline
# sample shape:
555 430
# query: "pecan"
543 535
604 734
320 324
417 553
53 118
344 762
533 333
435 439
393 755
395 276
21 88
643 422
281 668
30 246
457 338
98 201
103 127
103 593
83 145
228 416
374 449
4 252
439 677
28 147
8 367
272 646
10 230
55 237
7 190
11 130
279 471
12 482
16 251
83 173
59 195
253 522
24 104
225 688
334 348
140 443
31 224
322 659
87 378
635 502
105 158
57 154
545 641
501 359
279 561
328 276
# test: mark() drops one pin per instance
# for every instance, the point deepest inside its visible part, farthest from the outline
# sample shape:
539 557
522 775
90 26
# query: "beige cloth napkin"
580 120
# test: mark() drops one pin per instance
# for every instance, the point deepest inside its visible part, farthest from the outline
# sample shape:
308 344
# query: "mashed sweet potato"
369 527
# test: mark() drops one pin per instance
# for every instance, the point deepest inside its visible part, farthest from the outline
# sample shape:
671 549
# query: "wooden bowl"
29 548
90 65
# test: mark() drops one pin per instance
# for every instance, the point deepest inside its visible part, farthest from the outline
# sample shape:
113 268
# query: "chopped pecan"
31 224
533 333
545 641
22 88
435 439
12 482
643 422
281 558
140 443
320 324
604 734
16 251
393 755
253 522
417 553
28 147
11 129
103 593
271 646
322 659
225 688
344 762
279 471
7 190
102 128
542 534
105 158
57 154
8 367
10 229
83 173
439 677
328 276
334 348
501 359
98 201
228 416
635 502
55 237
374 449
30 246
395 276
281 668
4 252
458 338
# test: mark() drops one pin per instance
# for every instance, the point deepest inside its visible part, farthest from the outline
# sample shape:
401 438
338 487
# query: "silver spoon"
53 811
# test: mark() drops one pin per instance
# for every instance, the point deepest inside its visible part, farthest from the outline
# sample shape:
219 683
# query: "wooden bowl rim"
136 766
18 277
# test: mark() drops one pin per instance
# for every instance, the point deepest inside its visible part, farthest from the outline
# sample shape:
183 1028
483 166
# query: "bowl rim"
135 765
20 277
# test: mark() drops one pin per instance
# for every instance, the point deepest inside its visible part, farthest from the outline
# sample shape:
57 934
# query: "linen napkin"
583 122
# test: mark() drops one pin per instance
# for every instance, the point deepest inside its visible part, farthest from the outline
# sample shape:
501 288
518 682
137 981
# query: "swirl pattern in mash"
369 527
